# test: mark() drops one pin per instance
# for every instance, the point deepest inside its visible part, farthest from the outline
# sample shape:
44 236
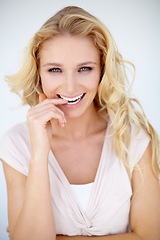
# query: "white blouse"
83 193
107 206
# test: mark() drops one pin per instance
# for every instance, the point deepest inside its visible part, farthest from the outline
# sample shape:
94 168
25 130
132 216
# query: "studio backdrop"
134 25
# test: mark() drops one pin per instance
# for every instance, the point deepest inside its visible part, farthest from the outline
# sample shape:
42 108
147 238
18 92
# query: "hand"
40 129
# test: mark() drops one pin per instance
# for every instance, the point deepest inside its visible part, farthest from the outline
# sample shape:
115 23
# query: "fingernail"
64 120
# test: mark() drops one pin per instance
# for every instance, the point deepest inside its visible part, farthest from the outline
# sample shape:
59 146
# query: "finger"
55 101
45 107
45 115
44 101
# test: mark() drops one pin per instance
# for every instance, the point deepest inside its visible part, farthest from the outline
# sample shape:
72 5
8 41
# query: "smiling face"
70 69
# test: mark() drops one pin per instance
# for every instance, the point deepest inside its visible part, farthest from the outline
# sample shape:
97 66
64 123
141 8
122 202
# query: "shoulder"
138 143
138 134
15 147
20 130
16 135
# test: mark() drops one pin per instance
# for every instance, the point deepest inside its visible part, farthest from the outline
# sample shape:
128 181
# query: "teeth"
71 99
71 103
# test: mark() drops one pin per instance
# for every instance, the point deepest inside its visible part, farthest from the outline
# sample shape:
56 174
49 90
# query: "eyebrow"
60 65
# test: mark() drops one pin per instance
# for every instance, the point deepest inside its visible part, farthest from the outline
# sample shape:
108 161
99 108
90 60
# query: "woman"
83 135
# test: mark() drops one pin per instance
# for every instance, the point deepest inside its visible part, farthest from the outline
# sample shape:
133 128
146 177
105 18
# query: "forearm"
125 236
36 219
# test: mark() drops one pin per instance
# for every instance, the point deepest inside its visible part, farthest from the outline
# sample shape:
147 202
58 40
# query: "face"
70 69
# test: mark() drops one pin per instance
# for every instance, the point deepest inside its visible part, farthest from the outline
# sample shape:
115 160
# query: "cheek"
48 85
93 83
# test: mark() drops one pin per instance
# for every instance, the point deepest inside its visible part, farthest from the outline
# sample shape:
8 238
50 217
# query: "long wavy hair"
114 89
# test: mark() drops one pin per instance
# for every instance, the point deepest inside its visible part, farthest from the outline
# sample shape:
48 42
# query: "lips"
73 100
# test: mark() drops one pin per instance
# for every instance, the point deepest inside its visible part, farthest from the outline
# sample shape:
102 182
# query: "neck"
80 127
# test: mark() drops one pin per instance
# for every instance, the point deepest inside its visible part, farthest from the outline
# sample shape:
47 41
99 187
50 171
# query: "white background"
135 26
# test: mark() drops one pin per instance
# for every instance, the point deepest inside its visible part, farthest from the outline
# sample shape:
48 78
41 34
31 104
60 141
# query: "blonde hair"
114 91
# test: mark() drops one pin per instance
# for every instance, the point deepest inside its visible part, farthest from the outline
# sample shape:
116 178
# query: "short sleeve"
15 148
138 144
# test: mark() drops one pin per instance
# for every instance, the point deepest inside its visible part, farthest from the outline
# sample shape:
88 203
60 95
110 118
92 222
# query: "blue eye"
55 70
85 69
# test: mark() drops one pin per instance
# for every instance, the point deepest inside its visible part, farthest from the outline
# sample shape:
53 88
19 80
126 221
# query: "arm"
145 206
30 212
29 204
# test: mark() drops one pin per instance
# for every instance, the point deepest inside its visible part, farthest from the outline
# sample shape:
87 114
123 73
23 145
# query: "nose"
70 84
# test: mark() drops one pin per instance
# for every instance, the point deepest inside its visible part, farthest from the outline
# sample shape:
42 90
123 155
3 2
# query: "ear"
42 97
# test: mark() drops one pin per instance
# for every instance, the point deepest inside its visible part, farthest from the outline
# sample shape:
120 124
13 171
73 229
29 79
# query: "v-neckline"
68 184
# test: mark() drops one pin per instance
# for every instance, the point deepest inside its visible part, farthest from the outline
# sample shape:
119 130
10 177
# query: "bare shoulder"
16 183
145 204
